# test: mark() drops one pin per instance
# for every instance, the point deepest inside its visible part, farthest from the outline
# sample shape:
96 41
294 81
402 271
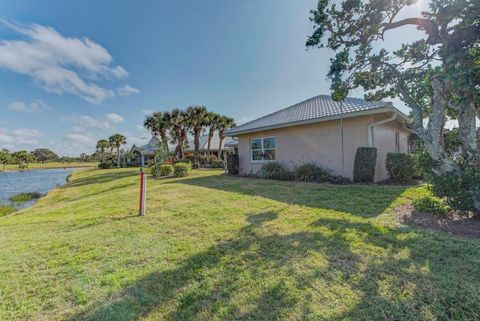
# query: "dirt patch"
467 227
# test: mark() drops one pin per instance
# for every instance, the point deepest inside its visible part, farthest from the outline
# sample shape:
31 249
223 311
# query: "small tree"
22 158
117 141
44 155
102 146
5 158
224 123
212 123
159 123
197 118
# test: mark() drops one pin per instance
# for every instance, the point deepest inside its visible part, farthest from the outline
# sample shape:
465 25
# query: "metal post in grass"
143 189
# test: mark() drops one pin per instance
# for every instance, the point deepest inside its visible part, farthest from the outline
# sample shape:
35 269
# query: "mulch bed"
463 226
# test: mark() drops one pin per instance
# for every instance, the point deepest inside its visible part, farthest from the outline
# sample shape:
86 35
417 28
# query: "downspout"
370 127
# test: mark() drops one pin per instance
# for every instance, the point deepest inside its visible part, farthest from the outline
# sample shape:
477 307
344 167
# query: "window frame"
263 160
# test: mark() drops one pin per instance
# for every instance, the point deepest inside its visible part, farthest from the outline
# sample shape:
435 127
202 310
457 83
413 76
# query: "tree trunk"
221 137
118 157
467 128
197 146
210 135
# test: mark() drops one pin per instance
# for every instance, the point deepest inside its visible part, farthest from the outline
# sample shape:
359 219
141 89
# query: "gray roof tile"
318 107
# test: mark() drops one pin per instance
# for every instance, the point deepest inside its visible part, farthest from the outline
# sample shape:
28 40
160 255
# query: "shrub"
182 160
274 170
24 197
364 166
400 166
107 164
161 170
182 169
458 186
431 205
6 209
233 164
309 172
217 164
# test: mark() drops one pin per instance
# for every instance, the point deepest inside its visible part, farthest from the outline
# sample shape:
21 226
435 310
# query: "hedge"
233 164
182 169
400 166
364 166
162 170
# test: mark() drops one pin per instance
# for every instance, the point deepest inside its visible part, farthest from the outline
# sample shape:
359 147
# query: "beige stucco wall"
320 143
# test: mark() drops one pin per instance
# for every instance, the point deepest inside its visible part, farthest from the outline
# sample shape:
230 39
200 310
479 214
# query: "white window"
397 142
263 149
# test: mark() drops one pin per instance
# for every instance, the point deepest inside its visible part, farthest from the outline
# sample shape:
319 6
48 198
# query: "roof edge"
388 107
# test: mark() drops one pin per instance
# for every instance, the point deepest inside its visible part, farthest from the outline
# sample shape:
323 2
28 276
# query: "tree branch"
429 26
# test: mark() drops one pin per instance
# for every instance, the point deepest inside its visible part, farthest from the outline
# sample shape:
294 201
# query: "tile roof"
318 107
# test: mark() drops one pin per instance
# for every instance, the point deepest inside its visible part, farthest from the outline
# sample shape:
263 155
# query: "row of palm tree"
114 142
177 124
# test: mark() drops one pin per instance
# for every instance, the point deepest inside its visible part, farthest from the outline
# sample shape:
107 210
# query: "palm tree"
158 123
197 118
223 124
212 126
117 141
102 145
178 131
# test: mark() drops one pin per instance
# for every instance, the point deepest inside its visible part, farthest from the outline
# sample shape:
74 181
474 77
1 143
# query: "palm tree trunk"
197 146
220 145
118 157
210 135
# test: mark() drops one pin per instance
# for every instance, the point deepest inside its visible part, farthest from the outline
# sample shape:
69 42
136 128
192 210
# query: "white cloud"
60 64
105 122
127 90
33 107
17 138
80 138
114 118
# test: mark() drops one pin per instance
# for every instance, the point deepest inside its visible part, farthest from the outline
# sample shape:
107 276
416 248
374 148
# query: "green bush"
6 209
364 166
162 170
400 166
182 160
107 164
233 164
182 169
457 186
24 197
217 164
310 172
431 205
274 170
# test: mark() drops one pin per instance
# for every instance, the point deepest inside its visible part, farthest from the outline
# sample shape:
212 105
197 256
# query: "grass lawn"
14 167
214 247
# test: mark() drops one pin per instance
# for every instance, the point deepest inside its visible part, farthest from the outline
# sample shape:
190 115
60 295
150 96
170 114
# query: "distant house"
228 145
310 131
149 152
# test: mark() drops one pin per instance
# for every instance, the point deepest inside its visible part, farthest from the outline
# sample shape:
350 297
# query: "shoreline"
47 167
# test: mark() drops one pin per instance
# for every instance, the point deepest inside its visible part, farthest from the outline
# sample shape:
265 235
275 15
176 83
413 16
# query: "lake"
39 180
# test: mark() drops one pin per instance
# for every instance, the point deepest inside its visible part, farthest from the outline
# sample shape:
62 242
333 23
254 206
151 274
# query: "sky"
73 72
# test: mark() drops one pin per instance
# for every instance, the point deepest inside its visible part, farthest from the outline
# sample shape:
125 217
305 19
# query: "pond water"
41 180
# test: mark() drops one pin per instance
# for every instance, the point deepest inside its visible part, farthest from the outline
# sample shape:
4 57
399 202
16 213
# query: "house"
149 152
311 131
226 145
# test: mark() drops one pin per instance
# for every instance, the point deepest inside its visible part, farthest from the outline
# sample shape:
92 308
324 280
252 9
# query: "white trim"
262 149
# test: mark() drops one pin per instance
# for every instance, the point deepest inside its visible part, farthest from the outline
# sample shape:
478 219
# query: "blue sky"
74 72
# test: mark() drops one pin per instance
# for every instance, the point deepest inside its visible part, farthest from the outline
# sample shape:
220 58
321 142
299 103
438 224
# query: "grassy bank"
14 167
214 247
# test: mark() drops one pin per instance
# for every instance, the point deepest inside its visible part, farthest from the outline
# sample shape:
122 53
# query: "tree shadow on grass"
111 176
256 275
360 200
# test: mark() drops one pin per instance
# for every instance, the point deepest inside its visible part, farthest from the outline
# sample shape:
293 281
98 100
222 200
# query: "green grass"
214 247
24 197
6 209
51 165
